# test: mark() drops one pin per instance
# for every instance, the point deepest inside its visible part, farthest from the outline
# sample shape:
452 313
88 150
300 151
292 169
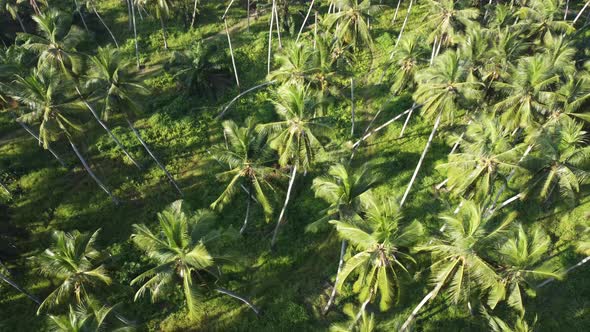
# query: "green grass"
291 284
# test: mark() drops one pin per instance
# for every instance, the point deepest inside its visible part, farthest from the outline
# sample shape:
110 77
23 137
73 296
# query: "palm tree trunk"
305 20
382 126
276 231
195 14
5 188
569 269
147 149
18 288
164 32
129 4
361 310
231 52
352 106
236 296
277 19
272 16
396 10
222 113
315 30
434 128
103 125
81 16
426 298
20 22
134 32
580 13
227 9
405 22
247 209
401 134
32 133
485 15
100 184
508 178
340 265
105 25
248 16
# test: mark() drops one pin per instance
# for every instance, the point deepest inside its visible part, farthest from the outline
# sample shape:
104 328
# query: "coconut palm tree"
179 250
246 155
43 95
496 324
295 64
344 188
85 317
521 260
295 135
382 245
119 87
541 16
560 164
487 156
442 89
56 48
350 23
447 19
72 261
460 255
406 59
526 93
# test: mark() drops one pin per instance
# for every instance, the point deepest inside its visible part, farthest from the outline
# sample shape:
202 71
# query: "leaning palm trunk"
340 265
129 4
401 134
272 16
231 52
92 175
5 188
134 32
352 106
241 298
81 16
222 113
422 303
508 178
277 21
396 10
305 20
194 13
164 35
434 128
247 209
20 22
147 149
18 288
580 13
276 231
30 131
105 25
102 124
405 22
568 270
367 135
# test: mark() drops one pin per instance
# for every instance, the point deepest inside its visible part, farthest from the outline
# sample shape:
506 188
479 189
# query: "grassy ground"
290 284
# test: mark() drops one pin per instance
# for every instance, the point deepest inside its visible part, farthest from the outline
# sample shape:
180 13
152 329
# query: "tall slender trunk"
163 24
405 22
20 22
381 127
80 14
241 298
276 231
231 52
91 173
248 15
32 133
426 298
134 32
103 125
249 199
5 188
434 128
195 13
361 310
396 10
352 106
401 134
222 113
147 149
105 25
277 19
272 16
19 288
129 4
340 265
580 13
305 20
568 270
315 30
227 9
508 178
